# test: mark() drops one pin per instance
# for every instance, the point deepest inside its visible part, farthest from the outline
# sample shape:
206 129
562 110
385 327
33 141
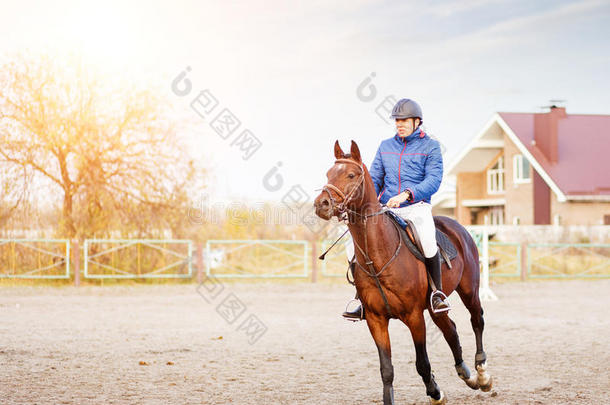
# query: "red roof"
583 141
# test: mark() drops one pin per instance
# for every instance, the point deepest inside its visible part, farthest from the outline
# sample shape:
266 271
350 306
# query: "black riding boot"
438 298
355 315
358 313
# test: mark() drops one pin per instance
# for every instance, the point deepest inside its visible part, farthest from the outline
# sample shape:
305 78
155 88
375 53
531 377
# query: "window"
497 215
495 178
521 169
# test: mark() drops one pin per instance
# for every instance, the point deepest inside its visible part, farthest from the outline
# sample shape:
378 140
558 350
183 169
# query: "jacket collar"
416 134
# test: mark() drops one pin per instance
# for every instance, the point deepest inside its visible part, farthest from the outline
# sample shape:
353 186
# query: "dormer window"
521 169
495 177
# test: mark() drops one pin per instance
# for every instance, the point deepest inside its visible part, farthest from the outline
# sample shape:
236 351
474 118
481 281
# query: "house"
533 168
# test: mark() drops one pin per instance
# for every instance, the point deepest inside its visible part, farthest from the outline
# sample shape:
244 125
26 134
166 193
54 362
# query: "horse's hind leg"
447 326
473 303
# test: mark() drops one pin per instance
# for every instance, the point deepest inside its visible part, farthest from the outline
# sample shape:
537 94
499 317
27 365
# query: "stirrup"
443 297
361 311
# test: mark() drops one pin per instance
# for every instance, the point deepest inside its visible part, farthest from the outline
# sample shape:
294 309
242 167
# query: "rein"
344 210
371 272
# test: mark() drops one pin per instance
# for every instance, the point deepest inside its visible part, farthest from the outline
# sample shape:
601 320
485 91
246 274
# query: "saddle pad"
442 240
444 243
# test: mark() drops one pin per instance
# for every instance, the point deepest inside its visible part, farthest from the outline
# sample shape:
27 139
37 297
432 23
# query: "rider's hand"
398 199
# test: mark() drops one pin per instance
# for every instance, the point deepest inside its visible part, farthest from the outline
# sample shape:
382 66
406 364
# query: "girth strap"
371 268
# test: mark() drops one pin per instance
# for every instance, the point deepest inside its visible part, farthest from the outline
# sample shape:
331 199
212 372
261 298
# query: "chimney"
545 132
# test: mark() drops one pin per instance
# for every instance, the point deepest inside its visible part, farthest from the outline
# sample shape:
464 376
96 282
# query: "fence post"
484 290
199 263
523 261
314 261
76 250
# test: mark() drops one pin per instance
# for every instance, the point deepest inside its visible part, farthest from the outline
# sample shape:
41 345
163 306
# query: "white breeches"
421 216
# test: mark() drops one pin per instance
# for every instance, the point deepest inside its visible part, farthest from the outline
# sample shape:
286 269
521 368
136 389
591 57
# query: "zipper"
399 164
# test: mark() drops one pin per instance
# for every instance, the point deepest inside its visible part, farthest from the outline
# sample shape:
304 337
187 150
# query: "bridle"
343 210
341 206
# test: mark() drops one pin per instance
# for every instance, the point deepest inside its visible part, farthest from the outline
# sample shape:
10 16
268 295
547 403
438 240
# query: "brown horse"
398 288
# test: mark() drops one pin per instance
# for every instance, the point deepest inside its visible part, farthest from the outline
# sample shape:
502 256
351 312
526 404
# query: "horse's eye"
351 175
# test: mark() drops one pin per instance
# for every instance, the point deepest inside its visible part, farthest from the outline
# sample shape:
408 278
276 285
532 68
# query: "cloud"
521 28
451 8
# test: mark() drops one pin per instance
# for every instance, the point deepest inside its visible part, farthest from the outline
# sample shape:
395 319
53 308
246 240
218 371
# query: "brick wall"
579 213
519 196
469 185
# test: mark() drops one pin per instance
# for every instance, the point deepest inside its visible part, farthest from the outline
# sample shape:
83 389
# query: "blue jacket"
413 164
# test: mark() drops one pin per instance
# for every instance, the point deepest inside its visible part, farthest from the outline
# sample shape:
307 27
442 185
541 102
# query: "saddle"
409 235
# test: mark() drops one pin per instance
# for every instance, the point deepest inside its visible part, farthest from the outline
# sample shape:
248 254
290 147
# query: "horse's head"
346 185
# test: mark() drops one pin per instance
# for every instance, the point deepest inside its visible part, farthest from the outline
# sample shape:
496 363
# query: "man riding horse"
406 171
394 283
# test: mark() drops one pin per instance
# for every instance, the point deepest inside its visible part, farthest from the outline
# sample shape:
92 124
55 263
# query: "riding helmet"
407 108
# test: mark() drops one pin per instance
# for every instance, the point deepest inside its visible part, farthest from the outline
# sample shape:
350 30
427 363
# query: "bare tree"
110 149
13 190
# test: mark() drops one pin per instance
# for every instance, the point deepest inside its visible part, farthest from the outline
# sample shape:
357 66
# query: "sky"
300 75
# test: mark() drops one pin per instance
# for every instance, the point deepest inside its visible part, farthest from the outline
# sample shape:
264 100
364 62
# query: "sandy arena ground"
547 343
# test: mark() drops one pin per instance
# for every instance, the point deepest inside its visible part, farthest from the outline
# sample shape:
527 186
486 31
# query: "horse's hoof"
464 373
473 382
487 387
441 401
484 379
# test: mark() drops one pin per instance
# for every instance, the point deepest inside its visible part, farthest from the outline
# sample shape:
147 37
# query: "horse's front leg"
417 326
379 330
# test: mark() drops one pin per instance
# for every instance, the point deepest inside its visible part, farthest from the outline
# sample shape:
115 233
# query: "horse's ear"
338 151
355 152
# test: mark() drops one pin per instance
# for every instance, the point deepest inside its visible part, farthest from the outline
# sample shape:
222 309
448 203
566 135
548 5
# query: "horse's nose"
322 204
